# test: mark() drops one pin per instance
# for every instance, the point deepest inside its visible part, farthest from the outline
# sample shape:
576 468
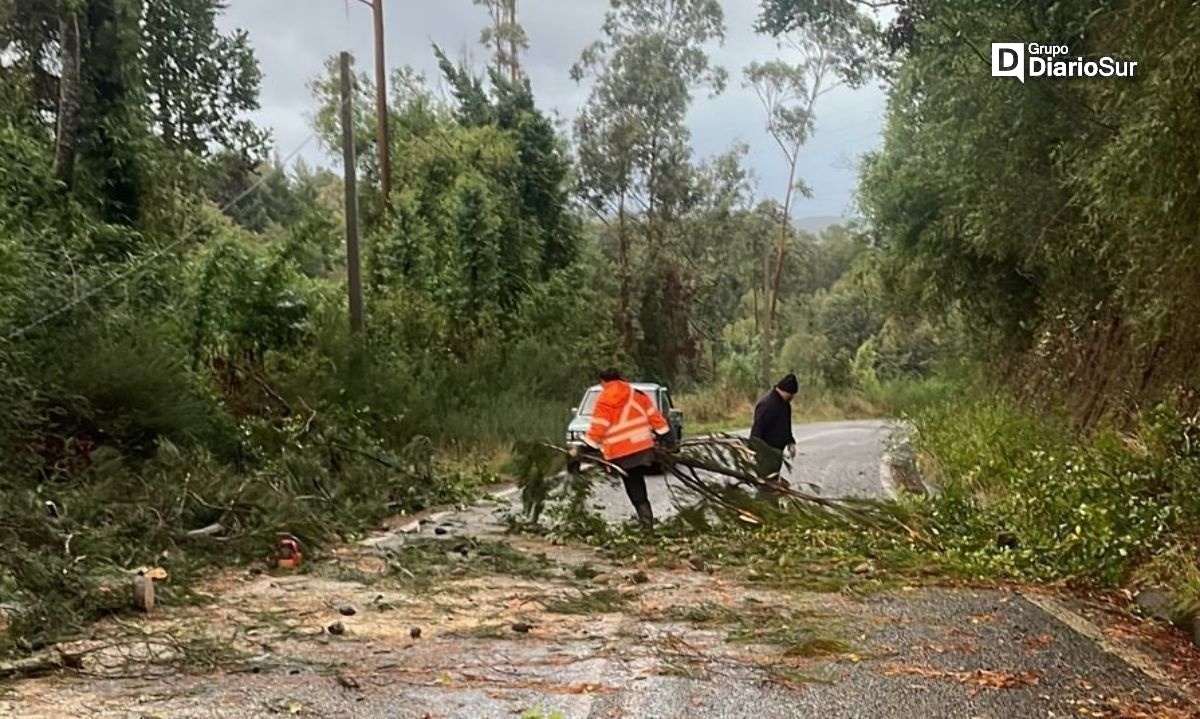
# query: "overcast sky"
292 38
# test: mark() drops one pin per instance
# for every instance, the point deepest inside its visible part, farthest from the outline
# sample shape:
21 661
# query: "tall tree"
1056 217
77 60
505 36
70 89
114 117
544 168
484 215
28 40
722 240
853 26
201 82
632 137
105 72
789 94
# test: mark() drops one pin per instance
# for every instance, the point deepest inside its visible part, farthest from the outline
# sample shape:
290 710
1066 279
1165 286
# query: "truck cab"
581 416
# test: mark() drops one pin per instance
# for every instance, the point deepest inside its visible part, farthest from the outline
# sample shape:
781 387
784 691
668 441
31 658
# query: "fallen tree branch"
718 470
211 530
368 455
46 662
734 458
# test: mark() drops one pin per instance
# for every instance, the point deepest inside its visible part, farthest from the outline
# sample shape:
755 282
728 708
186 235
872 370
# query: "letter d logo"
1008 60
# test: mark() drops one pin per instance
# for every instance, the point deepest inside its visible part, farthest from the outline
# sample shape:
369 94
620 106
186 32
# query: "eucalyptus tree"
505 36
789 94
633 143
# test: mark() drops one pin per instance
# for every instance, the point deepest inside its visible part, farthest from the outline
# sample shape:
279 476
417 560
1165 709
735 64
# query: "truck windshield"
589 403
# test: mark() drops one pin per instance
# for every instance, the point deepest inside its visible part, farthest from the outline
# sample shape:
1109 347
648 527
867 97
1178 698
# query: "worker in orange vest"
625 425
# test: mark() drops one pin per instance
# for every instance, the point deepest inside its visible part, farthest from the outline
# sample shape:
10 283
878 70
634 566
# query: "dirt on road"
455 618
494 628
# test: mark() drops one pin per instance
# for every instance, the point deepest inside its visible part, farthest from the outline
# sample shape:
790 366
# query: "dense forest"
175 352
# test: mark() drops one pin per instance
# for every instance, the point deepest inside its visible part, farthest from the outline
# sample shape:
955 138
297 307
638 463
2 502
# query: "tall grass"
719 408
907 396
715 409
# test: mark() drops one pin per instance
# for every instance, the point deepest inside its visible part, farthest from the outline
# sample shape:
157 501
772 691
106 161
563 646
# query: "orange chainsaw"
288 551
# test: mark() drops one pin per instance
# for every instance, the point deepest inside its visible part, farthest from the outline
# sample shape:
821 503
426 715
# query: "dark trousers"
768 460
635 485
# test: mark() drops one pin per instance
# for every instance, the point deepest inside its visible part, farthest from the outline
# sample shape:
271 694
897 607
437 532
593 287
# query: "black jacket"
773 421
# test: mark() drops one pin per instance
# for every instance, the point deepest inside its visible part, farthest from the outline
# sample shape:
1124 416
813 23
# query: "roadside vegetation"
1022 495
1051 226
1012 495
179 382
1041 238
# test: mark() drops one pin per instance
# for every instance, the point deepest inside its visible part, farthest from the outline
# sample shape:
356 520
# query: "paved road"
837 459
845 459
834 459
922 654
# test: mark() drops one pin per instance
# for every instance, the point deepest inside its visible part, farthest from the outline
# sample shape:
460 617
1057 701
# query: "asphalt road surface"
918 654
833 459
836 459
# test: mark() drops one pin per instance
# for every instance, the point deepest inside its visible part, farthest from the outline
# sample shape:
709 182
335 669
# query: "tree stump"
143 592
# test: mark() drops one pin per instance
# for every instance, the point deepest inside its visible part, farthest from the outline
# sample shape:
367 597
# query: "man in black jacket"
771 434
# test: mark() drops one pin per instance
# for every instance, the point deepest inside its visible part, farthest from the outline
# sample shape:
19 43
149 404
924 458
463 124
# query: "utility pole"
382 134
514 67
353 262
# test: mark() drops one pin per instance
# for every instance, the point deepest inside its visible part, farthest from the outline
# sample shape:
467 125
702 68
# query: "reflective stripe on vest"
632 433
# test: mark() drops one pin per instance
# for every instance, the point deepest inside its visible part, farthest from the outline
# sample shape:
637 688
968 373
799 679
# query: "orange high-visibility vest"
624 421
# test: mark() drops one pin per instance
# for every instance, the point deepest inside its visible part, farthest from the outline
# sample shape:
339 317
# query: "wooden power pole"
353 261
382 134
514 63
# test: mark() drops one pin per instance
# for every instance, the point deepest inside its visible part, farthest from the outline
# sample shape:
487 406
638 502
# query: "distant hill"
817 225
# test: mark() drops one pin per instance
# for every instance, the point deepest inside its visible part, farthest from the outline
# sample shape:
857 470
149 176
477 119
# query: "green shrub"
906 396
739 375
245 301
135 389
1021 493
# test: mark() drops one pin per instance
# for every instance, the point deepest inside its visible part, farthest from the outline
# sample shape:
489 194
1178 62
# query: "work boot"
645 516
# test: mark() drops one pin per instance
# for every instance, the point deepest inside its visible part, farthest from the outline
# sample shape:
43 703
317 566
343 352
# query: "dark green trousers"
767 459
768 463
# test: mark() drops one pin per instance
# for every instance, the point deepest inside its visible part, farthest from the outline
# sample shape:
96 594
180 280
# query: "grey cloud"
294 37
